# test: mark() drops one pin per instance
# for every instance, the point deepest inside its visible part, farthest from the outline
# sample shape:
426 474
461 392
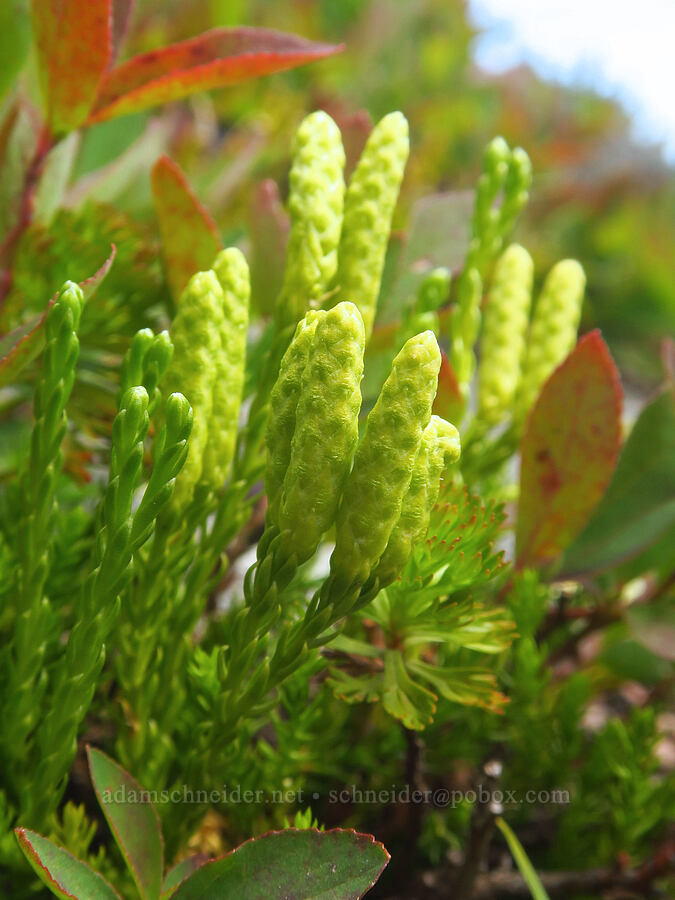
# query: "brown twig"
502 884
480 832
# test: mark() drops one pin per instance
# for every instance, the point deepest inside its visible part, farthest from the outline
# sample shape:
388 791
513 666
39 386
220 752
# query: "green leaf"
180 872
54 179
438 236
64 875
190 237
74 46
23 344
525 867
404 698
468 685
631 660
639 506
653 625
14 40
314 865
568 452
134 823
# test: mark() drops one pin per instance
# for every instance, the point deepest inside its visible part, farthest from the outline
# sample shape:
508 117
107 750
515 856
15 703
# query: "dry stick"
503 884
631 883
480 832
415 811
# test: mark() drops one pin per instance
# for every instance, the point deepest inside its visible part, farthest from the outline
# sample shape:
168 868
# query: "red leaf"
23 344
190 237
214 59
74 46
569 451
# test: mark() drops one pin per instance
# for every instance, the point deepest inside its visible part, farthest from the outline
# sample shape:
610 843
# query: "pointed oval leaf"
217 58
133 821
639 506
23 344
74 45
62 873
569 451
330 865
190 238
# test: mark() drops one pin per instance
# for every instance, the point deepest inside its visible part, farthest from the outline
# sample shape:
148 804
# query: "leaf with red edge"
133 821
23 344
190 238
64 875
215 59
569 451
331 865
74 46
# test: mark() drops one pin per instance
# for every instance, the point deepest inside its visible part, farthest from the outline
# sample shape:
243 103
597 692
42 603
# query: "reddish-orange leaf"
74 46
569 451
23 344
190 238
215 59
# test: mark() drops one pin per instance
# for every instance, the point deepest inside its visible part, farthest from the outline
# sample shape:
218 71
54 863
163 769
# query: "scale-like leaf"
134 823
74 44
215 59
64 875
190 237
569 451
314 865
